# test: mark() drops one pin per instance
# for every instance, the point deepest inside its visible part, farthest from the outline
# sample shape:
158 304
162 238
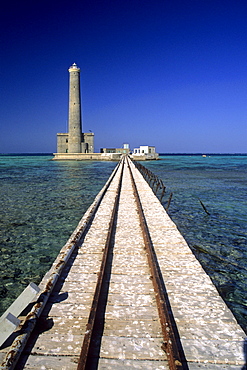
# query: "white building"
145 151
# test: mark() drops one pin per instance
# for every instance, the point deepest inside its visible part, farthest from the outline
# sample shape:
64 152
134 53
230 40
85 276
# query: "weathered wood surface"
132 337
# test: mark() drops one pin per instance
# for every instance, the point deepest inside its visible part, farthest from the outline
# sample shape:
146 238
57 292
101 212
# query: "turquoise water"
42 201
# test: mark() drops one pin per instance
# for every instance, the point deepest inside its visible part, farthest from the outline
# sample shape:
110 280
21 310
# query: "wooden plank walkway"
129 332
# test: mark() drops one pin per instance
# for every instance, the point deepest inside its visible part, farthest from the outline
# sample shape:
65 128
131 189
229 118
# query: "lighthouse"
75 141
75 124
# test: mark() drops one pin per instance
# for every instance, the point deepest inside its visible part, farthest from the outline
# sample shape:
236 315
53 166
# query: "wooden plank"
131 299
120 364
207 366
65 324
143 287
57 344
51 362
132 348
73 309
215 351
133 328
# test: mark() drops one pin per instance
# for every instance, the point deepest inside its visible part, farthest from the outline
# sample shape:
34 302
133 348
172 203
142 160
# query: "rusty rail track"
95 305
170 342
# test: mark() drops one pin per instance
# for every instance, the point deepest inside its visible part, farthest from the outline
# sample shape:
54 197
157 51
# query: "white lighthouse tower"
75 141
75 124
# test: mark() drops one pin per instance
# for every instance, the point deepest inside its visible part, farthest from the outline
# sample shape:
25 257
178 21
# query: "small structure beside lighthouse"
75 141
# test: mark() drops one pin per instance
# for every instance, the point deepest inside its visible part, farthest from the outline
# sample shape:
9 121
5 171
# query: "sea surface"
41 202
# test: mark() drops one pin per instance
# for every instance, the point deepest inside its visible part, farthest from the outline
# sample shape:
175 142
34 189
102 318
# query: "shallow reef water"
43 200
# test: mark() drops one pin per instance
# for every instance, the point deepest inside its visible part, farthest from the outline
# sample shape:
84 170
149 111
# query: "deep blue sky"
167 73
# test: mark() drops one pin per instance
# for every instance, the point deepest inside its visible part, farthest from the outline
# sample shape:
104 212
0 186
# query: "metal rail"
95 305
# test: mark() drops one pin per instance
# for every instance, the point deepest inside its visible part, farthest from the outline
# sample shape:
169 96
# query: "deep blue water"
42 201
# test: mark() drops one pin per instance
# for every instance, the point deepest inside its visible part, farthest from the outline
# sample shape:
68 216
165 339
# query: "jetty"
126 292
